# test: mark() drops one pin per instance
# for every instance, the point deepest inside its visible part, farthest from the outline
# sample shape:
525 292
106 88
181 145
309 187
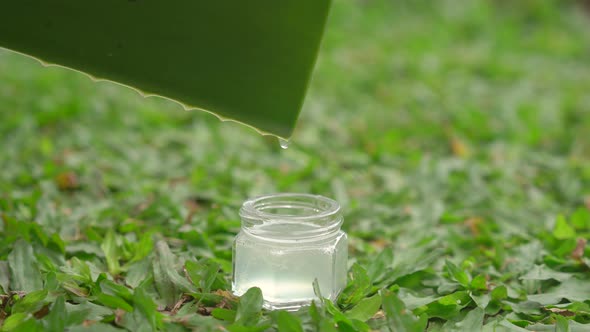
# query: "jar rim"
325 216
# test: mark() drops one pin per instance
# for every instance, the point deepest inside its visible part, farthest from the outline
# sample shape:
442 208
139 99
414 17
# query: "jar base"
290 305
287 306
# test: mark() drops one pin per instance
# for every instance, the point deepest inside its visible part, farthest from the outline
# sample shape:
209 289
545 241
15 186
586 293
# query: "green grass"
456 137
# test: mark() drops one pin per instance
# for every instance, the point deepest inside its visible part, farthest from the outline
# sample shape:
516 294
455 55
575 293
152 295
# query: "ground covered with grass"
456 136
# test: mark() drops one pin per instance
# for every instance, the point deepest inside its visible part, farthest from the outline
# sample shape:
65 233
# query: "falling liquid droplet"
284 143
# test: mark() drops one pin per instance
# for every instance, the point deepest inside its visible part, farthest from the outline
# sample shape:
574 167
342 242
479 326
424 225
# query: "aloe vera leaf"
248 61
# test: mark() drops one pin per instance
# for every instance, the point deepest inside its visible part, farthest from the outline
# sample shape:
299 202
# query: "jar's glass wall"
286 242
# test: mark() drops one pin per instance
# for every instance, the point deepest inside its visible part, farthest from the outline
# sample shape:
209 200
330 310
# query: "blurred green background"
461 128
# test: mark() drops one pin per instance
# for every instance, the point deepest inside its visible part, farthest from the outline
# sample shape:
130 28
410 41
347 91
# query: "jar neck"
291 217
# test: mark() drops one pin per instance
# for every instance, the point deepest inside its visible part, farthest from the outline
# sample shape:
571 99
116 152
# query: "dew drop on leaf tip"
284 143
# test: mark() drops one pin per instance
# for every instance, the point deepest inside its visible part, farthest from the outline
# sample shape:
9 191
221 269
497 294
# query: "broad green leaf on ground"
249 307
562 229
4 276
524 257
542 272
138 272
365 308
412 260
162 264
58 316
327 326
481 300
111 253
562 324
359 284
412 301
502 325
113 302
31 302
80 270
146 306
317 313
112 288
571 289
379 267
206 275
15 321
580 219
572 326
224 314
398 317
458 274
472 321
94 327
479 283
78 313
287 322
342 320
447 306
24 272
169 282
494 300
186 316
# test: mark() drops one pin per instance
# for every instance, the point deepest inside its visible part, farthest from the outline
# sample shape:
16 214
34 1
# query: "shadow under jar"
285 243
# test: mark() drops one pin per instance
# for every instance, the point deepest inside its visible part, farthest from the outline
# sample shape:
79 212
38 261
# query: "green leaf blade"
25 276
287 322
249 307
398 317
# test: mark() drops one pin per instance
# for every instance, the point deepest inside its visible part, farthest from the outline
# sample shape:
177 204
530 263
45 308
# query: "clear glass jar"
285 243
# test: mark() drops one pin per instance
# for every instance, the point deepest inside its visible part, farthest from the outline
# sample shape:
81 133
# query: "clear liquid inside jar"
286 242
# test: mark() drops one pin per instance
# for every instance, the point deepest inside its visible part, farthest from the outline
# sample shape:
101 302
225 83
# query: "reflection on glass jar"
286 242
